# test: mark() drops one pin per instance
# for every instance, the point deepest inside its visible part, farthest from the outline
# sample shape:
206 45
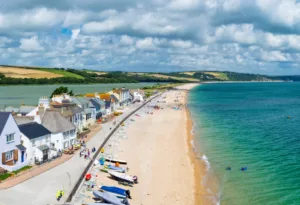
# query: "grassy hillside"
12 75
63 73
204 76
36 73
18 72
166 76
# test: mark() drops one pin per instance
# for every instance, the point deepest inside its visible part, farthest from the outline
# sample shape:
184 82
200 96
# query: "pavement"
36 170
42 189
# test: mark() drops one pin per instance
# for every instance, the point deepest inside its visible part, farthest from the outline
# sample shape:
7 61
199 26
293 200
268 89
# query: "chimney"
44 102
37 119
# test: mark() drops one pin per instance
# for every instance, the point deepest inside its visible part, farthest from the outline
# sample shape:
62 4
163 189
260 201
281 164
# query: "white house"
13 153
124 95
69 110
89 116
63 132
37 140
137 95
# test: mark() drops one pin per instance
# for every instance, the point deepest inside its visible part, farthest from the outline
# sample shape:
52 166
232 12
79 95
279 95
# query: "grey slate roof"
55 122
34 130
23 119
83 102
3 118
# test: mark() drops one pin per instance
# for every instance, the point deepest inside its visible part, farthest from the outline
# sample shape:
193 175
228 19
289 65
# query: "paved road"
42 188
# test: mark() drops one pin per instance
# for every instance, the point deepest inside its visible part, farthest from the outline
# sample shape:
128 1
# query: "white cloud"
153 24
247 36
31 44
39 18
4 41
274 56
104 26
181 44
75 33
184 4
145 44
284 12
126 40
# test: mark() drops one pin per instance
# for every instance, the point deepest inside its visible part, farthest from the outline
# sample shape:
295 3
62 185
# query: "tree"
71 93
61 90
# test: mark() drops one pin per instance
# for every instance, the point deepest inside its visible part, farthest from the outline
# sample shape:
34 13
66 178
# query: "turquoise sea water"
246 124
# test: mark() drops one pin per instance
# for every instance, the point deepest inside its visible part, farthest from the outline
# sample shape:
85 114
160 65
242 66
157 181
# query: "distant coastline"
274 81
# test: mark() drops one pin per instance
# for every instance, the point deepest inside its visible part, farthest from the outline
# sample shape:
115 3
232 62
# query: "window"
33 143
72 132
10 138
88 116
66 145
66 134
9 155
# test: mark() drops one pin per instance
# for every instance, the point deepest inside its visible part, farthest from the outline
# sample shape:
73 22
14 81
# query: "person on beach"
89 153
59 194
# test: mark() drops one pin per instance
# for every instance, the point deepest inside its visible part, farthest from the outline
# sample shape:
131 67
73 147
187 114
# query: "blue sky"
257 36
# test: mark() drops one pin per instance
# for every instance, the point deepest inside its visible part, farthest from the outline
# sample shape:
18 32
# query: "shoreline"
157 149
201 195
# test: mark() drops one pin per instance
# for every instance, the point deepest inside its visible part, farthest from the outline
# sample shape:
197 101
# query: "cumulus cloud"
108 25
31 44
145 44
245 36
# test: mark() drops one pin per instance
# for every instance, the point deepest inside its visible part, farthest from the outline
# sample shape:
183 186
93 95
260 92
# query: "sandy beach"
158 150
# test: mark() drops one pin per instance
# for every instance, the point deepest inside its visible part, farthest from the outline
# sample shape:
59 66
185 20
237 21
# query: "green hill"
10 75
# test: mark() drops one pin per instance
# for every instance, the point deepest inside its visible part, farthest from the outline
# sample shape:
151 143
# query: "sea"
253 125
17 95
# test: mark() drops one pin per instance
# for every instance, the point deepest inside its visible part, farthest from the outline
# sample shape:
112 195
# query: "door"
45 155
22 156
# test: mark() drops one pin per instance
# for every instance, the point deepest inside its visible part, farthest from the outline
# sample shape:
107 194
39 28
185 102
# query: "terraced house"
63 132
13 153
71 111
124 95
37 140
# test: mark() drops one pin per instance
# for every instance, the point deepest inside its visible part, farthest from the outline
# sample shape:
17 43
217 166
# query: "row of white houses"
40 133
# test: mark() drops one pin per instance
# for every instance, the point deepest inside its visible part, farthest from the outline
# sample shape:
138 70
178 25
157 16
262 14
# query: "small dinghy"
110 159
117 191
124 177
98 204
116 169
105 196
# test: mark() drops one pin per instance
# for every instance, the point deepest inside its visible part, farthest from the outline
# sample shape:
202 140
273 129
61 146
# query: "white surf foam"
207 164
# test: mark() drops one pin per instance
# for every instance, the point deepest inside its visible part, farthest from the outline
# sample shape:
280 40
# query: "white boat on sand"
110 159
124 177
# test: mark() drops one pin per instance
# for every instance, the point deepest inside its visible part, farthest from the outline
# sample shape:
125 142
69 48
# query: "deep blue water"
247 124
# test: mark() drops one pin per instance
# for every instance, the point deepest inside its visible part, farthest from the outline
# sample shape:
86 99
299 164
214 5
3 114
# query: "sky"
253 36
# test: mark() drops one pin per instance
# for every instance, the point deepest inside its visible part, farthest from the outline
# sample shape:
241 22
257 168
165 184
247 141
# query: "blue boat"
105 196
117 169
115 190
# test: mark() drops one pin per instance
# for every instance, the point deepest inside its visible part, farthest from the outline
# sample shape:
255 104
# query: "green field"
61 72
